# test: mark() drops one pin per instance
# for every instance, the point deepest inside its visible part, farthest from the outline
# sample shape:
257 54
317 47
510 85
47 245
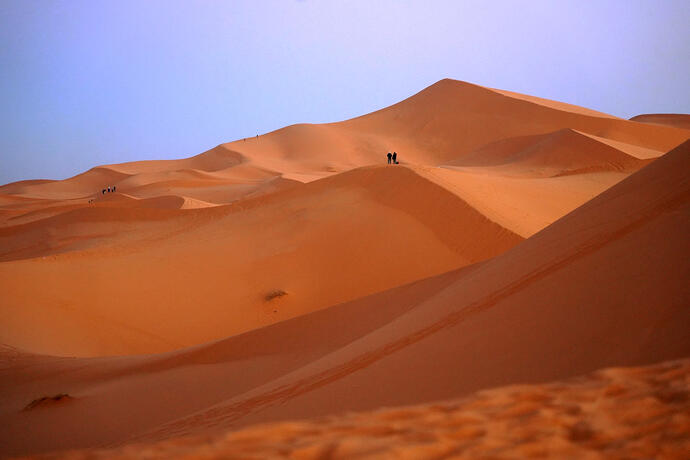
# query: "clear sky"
84 83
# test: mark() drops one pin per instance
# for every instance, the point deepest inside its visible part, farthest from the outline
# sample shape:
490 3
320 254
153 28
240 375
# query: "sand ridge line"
664 203
225 415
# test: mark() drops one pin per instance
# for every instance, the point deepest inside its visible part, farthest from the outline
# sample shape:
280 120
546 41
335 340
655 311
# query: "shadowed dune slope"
559 153
293 275
458 117
521 200
612 413
676 120
440 124
557 305
141 392
115 272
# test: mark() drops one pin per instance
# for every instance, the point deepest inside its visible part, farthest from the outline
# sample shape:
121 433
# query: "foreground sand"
269 279
638 412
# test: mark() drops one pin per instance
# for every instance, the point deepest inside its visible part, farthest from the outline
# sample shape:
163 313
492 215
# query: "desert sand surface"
296 275
677 120
612 413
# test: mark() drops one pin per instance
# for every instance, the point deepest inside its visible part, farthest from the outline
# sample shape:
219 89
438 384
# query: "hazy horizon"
90 83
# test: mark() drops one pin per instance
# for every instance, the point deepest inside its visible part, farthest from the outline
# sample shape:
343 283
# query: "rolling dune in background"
296 275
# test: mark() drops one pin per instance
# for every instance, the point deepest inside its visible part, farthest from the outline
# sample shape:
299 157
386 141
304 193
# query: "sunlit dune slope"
614 413
521 201
559 304
218 175
123 259
605 285
439 124
210 273
676 120
442 124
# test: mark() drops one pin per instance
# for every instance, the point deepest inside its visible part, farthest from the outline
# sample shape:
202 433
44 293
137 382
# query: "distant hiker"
395 157
389 157
113 189
103 192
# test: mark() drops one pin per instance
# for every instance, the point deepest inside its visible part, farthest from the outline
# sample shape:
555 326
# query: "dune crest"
296 275
676 120
401 217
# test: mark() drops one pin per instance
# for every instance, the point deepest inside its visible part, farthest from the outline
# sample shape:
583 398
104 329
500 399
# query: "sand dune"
523 205
441 124
557 305
555 104
453 118
613 413
295 275
675 120
560 153
224 271
82 185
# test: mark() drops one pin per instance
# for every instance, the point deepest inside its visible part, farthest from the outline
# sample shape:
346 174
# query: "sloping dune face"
676 120
209 239
550 308
559 153
296 274
565 419
211 274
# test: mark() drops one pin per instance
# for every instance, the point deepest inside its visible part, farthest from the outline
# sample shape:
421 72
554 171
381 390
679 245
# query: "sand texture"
613 413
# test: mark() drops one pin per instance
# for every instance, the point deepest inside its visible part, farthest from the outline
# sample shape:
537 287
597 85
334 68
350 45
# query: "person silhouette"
389 157
395 158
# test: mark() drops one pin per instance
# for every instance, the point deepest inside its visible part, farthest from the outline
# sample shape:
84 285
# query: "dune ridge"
297 276
591 238
676 120
401 217
562 152
312 372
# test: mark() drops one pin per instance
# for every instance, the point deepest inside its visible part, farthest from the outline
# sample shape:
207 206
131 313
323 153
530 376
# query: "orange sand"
676 120
296 275
613 413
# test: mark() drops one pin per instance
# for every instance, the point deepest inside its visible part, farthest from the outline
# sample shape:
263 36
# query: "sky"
84 83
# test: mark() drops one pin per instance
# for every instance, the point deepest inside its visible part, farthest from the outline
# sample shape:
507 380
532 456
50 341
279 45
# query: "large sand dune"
214 268
295 274
612 413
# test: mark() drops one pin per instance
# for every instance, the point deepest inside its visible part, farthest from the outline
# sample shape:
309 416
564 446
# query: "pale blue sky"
84 83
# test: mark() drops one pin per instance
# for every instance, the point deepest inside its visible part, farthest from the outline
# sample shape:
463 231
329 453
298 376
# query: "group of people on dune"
392 158
103 192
